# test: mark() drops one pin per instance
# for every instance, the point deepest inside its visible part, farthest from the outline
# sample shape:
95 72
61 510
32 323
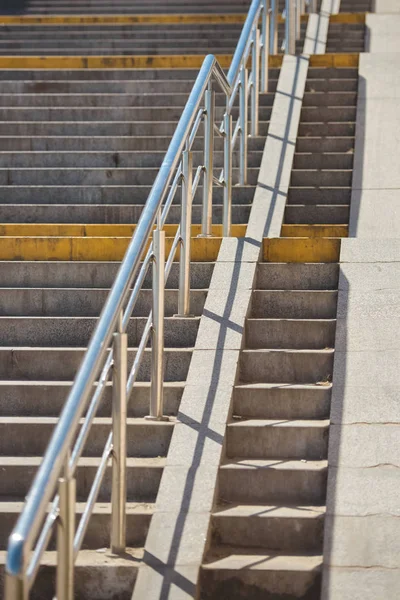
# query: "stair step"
290 333
236 573
260 438
322 160
282 401
283 482
145 438
324 144
314 177
47 398
138 516
322 196
279 528
61 364
290 366
317 214
297 276
143 477
293 304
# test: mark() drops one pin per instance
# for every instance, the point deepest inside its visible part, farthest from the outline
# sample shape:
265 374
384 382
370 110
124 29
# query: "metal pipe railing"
51 501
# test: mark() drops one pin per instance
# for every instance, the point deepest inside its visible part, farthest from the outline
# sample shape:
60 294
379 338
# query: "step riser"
282 403
310 215
40 400
82 303
287 276
310 196
286 334
309 443
287 367
62 365
64 332
266 486
322 161
326 177
293 305
275 533
142 483
143 440
333 144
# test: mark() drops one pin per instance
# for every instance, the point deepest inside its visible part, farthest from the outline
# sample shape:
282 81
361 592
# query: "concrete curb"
178 534
317 28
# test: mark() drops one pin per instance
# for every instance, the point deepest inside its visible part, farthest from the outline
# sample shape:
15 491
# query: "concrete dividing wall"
362 540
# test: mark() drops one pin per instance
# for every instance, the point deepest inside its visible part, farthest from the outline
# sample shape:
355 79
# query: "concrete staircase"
80 151
268 523
346 37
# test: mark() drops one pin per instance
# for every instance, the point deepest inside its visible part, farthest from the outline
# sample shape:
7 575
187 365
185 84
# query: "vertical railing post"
119 454
255 88
298 7
15 588
312 6
65 536
290 27
243 116
206 225
227 209
273 35
186 223
157 332
264 46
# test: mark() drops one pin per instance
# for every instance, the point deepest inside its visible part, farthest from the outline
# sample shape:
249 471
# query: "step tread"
265 511
84 461
296 423
93 558
131 421
100 508
235 559
275 464
284 386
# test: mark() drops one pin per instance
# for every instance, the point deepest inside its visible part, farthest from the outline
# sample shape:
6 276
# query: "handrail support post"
186 222
243 115
274 28
255 88
157 331
65 537
119 454
290 27
206 226
227 208
265 46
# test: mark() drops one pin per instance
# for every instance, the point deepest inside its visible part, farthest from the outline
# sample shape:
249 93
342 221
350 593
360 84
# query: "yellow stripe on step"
315 231
349 18
301 250
162 61
92 248
169 19
335 60
97 230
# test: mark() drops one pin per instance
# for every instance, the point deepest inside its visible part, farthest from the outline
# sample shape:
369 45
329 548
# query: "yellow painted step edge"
301 250
335 60
315 231
348 18
98 230
92 249
163 61
169 19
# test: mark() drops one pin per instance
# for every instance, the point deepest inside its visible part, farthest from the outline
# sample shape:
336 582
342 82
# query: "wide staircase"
81 147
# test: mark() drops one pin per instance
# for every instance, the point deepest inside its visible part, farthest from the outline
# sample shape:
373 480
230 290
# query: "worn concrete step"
316 129
297 250
112 160
325 144
71 332
290 333
138 517
321 195
143 477
324 214
331 85
319 177
105 194
109 99
315 231
46 398
330 99
124 49
103 127
75 84
283 482
61 364
260 438
93 275
93 176
108 144
289 366
317 159
145 438
328 73
92 570
289 529
297 276
109 213
69 302
337 114
293 304
344 46
282 401
234 573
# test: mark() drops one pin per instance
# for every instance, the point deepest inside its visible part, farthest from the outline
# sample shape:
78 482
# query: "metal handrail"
51 500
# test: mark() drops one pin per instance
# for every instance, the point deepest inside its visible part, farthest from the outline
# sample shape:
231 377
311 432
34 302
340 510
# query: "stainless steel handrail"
51 500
